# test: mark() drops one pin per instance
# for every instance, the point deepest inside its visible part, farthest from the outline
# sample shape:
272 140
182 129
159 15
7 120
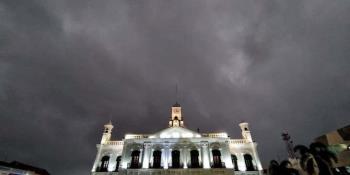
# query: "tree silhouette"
323 157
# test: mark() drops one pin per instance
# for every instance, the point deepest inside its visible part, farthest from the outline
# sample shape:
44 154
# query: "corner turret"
245 131
107 133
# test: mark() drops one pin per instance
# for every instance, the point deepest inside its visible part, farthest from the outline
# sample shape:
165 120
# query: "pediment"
176 132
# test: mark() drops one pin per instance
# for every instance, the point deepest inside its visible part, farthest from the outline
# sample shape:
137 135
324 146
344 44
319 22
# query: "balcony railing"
134 166
237 141
155 167
215 135
100 169
176 167
200 165
115 143
219 165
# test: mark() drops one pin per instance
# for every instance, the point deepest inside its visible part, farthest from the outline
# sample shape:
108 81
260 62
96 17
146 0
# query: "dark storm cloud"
67 67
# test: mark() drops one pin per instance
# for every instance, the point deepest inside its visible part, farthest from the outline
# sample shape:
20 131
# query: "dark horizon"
68 67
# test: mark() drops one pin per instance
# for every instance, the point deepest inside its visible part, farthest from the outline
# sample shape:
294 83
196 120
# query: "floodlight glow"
125 165
176 135
164 135
128 136
187 135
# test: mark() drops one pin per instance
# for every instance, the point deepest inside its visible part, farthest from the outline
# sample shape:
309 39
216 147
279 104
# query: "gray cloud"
67 67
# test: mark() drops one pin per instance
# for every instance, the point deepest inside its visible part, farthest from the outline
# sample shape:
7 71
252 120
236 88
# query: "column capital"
204 144
147 144
146 155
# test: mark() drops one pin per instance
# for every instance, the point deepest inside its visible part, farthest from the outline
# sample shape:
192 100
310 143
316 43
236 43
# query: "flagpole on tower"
177 96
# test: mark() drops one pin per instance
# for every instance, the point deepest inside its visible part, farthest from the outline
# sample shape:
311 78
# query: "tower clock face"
176 110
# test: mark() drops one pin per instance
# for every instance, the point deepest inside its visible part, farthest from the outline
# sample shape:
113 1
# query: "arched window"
135 156
234 162
104 164
119 158
249 162
194 159
175 157
216 159
157 156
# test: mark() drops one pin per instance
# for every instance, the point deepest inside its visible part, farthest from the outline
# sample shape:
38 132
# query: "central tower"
176 116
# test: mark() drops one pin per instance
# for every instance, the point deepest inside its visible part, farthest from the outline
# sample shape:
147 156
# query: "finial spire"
110 120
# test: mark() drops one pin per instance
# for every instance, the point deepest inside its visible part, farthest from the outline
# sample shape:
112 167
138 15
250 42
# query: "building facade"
177 150
18 168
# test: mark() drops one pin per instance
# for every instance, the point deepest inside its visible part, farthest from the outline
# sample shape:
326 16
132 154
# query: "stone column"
184 156
163 158
185 153
227 156
112 162
241 162
141 156
256 158
98 157
125 156
199 156
205 155
210 156
170 159
150 157
166 157
182 160
146 155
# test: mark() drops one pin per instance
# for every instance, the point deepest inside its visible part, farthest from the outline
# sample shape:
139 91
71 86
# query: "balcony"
200 165
238 141
155 166
179 171
175 166
134 166
117 143
219 165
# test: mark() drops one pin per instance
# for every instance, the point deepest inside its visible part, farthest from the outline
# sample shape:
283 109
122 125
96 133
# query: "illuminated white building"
177 150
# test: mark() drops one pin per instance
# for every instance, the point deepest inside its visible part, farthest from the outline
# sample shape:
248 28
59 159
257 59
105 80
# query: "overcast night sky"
68 67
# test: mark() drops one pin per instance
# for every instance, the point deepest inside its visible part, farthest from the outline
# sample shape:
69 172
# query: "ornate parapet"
136 136
215 135
118 143
238 141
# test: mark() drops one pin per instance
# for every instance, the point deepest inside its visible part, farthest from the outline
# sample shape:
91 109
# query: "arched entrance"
157 156
248 159
175 158
216 158
135 157
104 164
119 158
234 162
194 159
